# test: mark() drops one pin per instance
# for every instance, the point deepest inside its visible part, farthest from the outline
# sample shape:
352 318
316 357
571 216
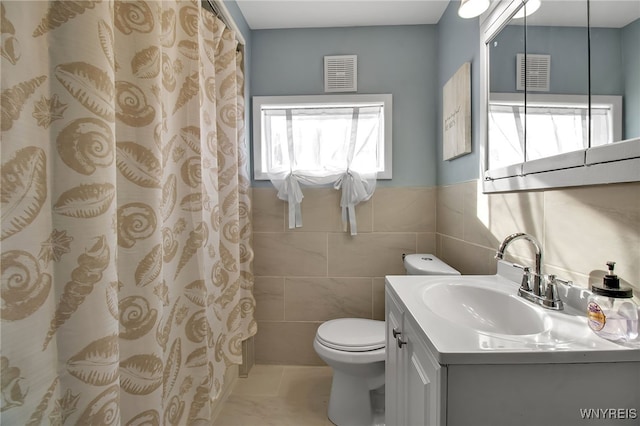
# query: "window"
326 130
344 140
559 122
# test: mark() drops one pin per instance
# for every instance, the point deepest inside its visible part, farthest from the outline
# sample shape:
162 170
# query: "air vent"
537 72
341 73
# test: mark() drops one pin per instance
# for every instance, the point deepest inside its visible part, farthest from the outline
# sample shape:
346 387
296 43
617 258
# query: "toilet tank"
427 264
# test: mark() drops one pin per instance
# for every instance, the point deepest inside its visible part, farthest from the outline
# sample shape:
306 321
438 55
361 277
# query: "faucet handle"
526 279
551 298
568 283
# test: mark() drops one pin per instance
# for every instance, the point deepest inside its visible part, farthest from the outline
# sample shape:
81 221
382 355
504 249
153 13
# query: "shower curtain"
126 260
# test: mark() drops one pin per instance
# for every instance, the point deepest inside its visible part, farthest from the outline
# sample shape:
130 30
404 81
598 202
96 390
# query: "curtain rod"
220 10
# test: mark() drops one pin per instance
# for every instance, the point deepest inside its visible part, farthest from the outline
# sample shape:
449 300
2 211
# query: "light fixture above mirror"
472 8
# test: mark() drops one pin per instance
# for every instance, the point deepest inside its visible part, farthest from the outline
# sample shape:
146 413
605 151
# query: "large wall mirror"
560 93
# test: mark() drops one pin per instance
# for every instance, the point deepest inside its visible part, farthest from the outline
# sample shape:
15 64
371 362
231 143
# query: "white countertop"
566 339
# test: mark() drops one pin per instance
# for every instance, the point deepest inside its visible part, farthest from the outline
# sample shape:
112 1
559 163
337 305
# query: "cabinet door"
424 383
395 407
414 388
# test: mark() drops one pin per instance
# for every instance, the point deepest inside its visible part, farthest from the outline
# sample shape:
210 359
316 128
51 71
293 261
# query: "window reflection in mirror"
506 113
555 68
557 65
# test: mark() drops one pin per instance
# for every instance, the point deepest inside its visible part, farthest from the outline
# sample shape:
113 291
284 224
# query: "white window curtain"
319 146
562 128
506 131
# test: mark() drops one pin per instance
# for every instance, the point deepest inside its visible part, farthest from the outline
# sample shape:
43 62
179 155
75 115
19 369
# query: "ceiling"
272 14
572 13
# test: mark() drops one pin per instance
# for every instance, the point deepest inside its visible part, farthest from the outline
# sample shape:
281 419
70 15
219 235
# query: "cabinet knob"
396 333
401 343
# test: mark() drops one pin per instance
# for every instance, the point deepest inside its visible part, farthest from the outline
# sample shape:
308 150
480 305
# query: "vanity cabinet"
480 390
414 379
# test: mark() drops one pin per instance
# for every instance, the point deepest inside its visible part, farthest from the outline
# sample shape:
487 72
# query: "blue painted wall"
401 60
606 62
243 27
631 67
238 18
414 63
458 42
503 49
567 47
569 60
615 63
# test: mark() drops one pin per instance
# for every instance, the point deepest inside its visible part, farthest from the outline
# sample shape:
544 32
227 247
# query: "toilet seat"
352 334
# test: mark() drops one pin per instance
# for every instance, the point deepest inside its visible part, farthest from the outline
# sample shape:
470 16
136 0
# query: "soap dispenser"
611 311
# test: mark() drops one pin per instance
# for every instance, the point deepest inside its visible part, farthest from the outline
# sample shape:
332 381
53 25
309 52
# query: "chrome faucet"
537 277
547 297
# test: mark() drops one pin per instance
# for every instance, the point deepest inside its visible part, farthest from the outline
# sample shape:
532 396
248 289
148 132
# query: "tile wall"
318 272
309 275
580 229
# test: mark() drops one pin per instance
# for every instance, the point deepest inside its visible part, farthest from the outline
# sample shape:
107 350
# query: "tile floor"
279 395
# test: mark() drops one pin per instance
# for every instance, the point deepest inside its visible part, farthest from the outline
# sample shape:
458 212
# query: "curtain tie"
354 191
291 192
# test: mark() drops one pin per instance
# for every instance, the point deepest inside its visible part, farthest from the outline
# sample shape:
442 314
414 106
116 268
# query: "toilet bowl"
355 349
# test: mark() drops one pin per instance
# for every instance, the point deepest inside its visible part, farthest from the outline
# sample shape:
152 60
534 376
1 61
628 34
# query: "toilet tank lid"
427 264
352 334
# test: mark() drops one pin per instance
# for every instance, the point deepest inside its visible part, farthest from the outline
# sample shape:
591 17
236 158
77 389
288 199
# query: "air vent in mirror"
537 72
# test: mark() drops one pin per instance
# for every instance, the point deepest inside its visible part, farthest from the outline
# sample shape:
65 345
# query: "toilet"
355 349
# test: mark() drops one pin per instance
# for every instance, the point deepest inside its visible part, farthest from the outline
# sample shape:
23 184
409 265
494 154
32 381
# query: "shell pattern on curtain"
126 261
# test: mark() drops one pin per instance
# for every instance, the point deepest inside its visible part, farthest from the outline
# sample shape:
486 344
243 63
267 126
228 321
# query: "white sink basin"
483 309
480 319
